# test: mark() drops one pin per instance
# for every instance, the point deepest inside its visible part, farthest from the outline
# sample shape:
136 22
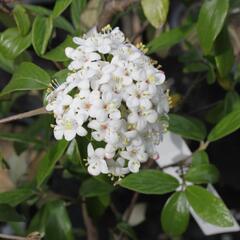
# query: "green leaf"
22 20
155 11
199 158
58 54
208 207
202 173
28 76
168 39
60 6
9 214
127 230
77 8
190 128
19 137
6 64
224 56
92 188
59 22
53 220
16 196
41 33
229 124
47 164
61 75
12 44
150 182
195 67
210 22
175 214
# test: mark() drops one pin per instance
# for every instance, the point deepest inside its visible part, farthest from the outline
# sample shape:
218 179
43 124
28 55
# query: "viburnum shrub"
90 124
114 94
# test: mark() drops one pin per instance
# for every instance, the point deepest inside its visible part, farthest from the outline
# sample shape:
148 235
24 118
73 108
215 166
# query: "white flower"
96 161
116 92
68 127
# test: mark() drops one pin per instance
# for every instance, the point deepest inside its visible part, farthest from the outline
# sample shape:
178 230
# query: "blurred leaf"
127 230
28 76
224 53
195 67
156 11
41 33
60 6
19 137
175 214
58 54
12 44
96 206
92 188
53 220
47 164
150 182
231 102
59 22
229 124
7 20
6 64
168 39
210 22
22 20
16 196
199 158
9 214
208 207
202 173
211 76
77 8
190 128
61 75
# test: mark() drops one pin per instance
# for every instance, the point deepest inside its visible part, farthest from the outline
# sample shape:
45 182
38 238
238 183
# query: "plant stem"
28 114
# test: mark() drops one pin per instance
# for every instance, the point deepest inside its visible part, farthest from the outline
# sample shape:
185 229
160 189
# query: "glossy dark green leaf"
53 220
199 157
16 196
12 44
168 39
41 33
60 6
77 8
92 188
58 54
208 207
59 22
150 182
202 173
48 162
155 11
9 214
22 19
28 76
210 22
190 128
175 214
229 124
224 56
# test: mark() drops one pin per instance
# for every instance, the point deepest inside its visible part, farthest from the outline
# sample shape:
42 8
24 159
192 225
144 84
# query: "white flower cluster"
115 94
